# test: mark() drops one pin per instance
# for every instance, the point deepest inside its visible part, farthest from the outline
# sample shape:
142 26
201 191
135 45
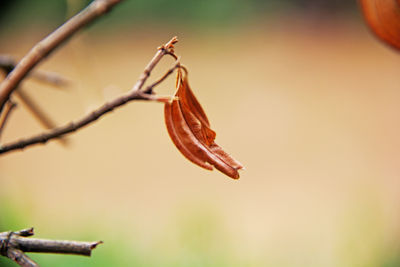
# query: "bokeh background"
299 91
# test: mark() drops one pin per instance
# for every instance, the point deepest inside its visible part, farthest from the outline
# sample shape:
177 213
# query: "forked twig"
14 244
7 64
136 93
167 49
48 44
165 76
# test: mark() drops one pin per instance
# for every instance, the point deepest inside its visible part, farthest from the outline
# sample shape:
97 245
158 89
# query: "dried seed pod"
383 17
190 131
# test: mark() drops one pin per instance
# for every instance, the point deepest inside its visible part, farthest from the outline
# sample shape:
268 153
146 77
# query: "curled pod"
189 129
383 17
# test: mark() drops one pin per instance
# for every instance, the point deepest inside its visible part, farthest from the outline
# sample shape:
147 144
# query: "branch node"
136 93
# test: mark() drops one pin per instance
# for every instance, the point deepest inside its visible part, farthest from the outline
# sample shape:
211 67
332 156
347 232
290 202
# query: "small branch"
20 258
162 51
26 232
149 89
7 112
135 94
73 126
35 109
56 246
8 63
14 244
37 112
49 78
51 42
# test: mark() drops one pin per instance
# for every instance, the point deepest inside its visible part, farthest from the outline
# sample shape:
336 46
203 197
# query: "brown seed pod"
190 131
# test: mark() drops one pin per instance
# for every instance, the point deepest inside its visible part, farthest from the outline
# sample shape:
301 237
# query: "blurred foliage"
14 14
195 238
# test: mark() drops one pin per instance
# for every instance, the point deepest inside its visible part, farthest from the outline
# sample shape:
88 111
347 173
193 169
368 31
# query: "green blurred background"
299 91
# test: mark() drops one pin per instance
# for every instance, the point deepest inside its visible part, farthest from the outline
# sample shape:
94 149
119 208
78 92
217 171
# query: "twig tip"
26 232
95 244
174 40
170 44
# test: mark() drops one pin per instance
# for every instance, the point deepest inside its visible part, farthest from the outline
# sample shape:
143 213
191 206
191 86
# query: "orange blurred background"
308 104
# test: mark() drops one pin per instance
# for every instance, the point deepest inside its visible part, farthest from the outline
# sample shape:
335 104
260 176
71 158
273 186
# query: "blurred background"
299 91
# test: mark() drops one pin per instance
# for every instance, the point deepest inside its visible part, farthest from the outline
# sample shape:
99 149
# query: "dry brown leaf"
383 17
190 131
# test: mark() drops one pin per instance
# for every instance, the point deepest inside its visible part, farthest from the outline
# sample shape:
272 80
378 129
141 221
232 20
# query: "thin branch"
14 244
47 45
163 50
8 63
26 232
149 89
20 258
35 109
135 94
7 112
56 246
37 112
73 126
51 78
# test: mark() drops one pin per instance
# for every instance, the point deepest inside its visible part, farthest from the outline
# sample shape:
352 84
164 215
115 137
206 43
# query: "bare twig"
165 76
48 44
14 244
7 112
8 63
20 258
37 112
35 109
73 126
136 93
51 78
168 48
